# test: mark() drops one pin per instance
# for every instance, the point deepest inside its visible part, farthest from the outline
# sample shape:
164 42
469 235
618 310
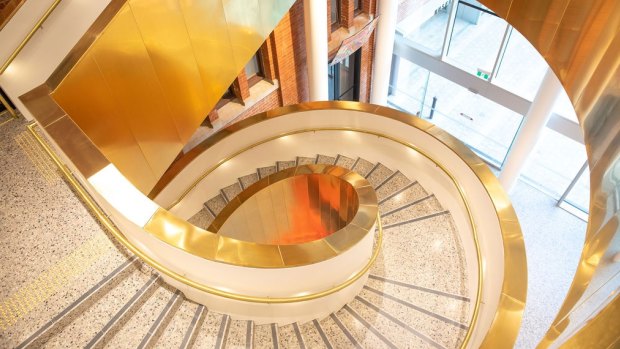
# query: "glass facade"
468 38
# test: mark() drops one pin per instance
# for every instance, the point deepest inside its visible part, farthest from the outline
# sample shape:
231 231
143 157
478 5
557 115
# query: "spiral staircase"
414 296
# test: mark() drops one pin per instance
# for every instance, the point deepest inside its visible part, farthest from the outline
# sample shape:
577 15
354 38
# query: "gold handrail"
111 227
512 292
21 46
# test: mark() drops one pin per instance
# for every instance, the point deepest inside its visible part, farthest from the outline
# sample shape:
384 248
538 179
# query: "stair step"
216 204
396 331
418 208
449 305
378 175
238 334
283 165
311 335
344 161
86 325
363 166
266 171
304 160
202 219
394 183
193 328
334 333
437 263
231 191
325 159
161 321
124 314
287 338
72 311
364 333
174 333
263 337
441 330
401 197
208 335
248 180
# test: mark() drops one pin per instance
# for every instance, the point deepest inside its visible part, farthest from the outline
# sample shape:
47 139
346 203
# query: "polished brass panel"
164 64
290 211
299 208
581 42
118 235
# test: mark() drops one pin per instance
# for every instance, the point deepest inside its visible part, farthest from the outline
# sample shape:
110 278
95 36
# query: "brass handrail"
21 46
111 227
506 217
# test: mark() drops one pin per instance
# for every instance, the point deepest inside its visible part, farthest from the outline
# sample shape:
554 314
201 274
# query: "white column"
315 23
531 128
384 38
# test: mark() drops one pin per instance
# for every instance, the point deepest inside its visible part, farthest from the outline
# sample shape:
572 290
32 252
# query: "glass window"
564 107
253 67
356 5
476 38
579 195
335 11
425 27
520 68
554 163
486 127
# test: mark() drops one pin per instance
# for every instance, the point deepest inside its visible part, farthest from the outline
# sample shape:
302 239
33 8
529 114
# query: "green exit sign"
483 74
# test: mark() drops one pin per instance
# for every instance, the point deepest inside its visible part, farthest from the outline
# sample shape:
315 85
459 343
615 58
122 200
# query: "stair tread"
216 204
248 180
202 219
173 334
378 175
412 193
311 336
335 335
363 335
237 333
344 161
87 324
443 333
392 331
207 333
231 191
325 159
397 182
363 166
452 308
304 160
266 171
422 207
287 337
438 263
263 337
134 330
283 165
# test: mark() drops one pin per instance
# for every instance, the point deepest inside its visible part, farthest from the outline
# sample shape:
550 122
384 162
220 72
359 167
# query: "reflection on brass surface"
298 205
581 42
514 287
118 235
298 216
153 73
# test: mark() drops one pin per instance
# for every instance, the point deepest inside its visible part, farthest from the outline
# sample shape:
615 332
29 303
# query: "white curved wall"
372 148
47 48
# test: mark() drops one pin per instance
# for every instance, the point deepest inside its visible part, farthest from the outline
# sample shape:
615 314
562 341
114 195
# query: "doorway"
344 79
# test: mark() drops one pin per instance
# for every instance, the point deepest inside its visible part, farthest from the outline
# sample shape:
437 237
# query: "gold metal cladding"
581 42
300 204
118 235
265 246
514 288
152 74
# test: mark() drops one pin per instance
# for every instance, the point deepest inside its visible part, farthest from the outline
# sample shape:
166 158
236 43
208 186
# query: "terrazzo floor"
38 212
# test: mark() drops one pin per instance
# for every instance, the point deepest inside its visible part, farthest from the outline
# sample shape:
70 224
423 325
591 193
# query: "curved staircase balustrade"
484 213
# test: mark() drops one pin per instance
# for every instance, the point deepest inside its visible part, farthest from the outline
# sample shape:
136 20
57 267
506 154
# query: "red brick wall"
270 102
290 60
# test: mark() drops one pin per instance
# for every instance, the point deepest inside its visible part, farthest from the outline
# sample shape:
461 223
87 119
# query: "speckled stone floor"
53 251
